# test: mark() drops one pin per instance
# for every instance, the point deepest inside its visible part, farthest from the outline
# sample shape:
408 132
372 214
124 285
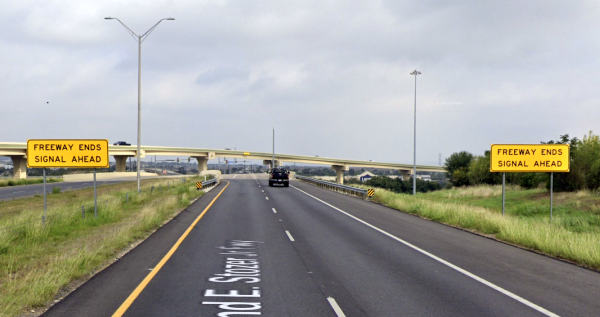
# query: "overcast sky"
332 77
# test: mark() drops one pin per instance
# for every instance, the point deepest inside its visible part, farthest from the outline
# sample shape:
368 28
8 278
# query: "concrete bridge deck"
18 153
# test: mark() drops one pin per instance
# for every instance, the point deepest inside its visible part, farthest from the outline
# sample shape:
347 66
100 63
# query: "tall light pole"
273 163
415 72
139 39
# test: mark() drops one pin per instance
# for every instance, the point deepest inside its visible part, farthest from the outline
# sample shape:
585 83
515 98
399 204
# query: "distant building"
365 176
426 178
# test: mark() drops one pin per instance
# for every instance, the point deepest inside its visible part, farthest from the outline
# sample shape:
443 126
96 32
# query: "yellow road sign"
198 185
529 158
370 192
246 153
67 153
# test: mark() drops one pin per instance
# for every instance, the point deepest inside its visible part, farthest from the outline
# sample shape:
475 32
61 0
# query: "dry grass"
568 237
479 191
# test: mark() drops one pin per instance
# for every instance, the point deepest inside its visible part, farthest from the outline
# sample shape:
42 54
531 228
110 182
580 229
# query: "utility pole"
139 39
415 72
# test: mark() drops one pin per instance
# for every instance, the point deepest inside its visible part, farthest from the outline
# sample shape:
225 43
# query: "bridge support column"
339 173
202 164
121 163
405 174
269 162
19 167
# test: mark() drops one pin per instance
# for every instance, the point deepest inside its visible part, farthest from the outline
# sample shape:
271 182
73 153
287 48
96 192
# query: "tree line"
397 184
464 168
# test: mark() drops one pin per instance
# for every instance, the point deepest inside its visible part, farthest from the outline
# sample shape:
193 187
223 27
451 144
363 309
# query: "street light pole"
273 163
415 72
139 39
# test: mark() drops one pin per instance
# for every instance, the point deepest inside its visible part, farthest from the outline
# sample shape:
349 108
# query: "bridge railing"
335 186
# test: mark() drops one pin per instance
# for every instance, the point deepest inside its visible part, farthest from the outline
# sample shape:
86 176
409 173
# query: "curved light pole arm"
135 36
145 35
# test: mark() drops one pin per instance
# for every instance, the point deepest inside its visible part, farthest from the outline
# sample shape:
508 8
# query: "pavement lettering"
241 266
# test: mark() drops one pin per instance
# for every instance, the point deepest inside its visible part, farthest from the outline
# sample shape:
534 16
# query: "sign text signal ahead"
67 153
529 158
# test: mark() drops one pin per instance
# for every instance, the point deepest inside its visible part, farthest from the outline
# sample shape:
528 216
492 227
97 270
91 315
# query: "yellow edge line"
123 308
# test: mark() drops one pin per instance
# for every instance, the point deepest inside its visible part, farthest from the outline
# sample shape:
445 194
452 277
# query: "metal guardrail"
335 186
211 182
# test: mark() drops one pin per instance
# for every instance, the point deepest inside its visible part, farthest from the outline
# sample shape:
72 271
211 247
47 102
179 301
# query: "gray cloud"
331 76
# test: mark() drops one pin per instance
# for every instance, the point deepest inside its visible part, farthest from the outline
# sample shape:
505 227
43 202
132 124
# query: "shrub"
459 162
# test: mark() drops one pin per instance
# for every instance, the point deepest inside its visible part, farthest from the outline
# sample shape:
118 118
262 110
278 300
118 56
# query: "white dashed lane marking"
289 235
336 308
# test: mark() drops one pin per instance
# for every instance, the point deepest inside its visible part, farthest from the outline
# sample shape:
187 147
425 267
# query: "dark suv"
279 176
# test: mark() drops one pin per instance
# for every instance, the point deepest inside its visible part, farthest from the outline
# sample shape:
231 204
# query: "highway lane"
281 252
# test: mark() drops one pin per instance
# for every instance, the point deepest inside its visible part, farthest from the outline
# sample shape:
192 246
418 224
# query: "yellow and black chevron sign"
198 185
370 192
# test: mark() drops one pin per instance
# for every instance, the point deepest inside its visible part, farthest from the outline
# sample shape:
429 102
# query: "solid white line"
274 211
465 272
336 308
289 236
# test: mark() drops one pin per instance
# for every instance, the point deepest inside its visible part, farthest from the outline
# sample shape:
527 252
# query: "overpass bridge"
18 153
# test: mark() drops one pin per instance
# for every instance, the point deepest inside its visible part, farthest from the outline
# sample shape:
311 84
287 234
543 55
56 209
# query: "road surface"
306 251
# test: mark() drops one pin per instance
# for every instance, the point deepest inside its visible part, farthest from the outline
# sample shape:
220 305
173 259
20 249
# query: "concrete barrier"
104 176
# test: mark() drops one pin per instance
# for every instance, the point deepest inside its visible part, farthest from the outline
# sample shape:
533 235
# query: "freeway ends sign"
67 153
529 158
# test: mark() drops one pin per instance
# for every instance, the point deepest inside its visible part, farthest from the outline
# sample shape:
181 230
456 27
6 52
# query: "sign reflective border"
529 158
67 153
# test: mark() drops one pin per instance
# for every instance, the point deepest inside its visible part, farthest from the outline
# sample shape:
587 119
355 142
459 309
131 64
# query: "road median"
39 260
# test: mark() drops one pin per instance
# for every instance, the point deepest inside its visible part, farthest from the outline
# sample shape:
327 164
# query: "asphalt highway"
306 251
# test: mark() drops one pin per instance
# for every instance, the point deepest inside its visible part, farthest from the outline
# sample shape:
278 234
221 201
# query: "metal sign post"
95 197
551 189
45 209
503 192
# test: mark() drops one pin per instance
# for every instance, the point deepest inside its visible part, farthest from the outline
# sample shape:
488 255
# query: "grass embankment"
573 234
37 261
27 181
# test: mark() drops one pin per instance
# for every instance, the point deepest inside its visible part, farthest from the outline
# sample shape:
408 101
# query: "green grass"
27 181
36 261
573 234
